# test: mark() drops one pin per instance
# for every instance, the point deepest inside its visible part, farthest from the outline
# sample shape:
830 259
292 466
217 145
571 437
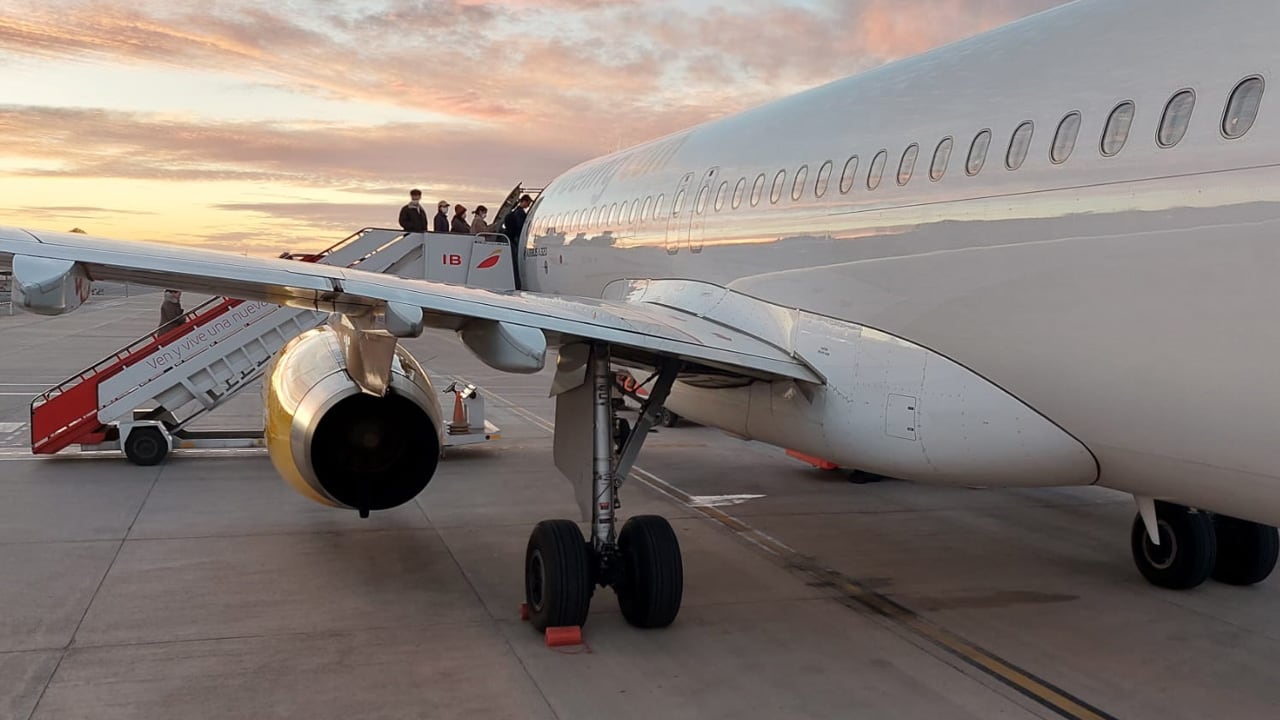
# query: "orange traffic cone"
459 424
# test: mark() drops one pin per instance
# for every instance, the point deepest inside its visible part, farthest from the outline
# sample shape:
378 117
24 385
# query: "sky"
258 128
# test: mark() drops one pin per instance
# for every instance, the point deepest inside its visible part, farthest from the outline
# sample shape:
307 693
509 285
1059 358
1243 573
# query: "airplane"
1044 256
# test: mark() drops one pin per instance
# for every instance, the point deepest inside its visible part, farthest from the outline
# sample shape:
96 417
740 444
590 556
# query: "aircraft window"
1019 144
573 223
1065 140
1177 116
1116 134
778 181
739 193
644 209
1242 108
908 164
877 169
824 179
797 186
720 195
678 204
595 212
622 212
978 153
636 215
850 172
657 206
700 205
757 189
613 214
941 158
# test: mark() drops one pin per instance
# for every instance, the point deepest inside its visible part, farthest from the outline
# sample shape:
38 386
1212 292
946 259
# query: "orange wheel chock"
816 462
564 636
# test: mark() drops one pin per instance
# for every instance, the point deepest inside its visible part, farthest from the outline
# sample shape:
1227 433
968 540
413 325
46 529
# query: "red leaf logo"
490 261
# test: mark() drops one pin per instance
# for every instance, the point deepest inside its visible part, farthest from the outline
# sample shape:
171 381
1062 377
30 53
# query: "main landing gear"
641 563
1196 545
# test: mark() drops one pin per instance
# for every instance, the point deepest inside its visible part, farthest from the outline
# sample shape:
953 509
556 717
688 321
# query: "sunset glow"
257 128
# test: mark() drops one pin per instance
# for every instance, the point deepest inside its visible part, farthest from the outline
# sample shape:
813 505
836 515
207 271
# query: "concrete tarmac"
206 588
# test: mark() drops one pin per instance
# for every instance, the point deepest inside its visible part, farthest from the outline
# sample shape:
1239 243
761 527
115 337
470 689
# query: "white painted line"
20 394
720 500
11 427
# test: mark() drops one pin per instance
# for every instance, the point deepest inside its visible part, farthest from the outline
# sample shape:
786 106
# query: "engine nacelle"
49 287
340 446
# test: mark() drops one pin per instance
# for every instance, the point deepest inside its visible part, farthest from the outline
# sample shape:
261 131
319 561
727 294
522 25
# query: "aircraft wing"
640 331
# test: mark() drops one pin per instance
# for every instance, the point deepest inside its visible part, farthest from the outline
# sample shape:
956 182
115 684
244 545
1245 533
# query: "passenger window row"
1238 117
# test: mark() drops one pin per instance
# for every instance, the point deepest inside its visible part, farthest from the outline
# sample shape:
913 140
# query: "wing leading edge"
641 331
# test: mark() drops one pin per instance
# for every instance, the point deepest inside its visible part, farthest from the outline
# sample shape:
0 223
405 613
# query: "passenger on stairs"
413 217
513 227
460 224
171 308
441 221
479 223
515 221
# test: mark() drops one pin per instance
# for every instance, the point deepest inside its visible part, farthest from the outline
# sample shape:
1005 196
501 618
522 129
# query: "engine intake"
340 446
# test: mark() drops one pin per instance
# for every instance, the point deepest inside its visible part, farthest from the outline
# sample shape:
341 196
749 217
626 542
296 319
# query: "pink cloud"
535 86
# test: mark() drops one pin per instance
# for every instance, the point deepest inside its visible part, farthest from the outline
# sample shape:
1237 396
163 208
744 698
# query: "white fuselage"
1129 299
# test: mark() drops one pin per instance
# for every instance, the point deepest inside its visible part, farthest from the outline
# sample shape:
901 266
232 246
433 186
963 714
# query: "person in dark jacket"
460 224
413 217
171 308
441 221
512 227
515 221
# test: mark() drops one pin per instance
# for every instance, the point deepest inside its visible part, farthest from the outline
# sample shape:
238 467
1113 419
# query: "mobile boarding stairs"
143 398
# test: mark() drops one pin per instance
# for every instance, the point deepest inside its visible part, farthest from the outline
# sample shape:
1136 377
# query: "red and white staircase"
190 367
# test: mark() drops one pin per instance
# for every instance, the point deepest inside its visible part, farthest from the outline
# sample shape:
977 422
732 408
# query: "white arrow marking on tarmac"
720 500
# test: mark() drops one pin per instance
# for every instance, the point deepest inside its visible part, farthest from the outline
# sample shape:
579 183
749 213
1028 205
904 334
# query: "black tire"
146 446
668 418
651 584
1247 551
1187 551
557 575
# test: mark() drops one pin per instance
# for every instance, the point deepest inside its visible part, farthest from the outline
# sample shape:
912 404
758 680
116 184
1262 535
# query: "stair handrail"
161 336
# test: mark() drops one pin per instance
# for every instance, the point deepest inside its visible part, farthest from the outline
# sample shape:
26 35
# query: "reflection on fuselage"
1125 294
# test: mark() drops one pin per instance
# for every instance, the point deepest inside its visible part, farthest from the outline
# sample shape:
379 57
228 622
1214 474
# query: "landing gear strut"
1195 545
641 563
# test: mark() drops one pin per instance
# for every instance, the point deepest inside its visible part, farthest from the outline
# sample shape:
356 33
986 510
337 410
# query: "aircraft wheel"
668 418
557 575
1187 550
651 584
146 446
1247 551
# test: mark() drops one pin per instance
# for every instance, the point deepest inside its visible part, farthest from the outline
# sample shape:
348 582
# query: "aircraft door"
695 227
676 221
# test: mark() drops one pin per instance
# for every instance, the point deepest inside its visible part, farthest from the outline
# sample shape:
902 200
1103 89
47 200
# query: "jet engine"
343 447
